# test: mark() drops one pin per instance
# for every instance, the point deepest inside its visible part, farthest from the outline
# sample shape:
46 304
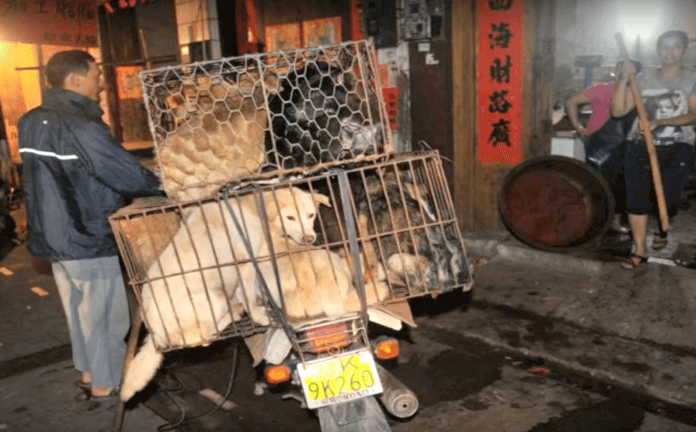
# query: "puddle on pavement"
542 331
623 410
607 416
449 376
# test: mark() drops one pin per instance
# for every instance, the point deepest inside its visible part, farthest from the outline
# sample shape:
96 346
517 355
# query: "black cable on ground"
183 419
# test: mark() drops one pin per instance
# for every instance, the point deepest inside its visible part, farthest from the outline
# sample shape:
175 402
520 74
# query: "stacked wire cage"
286 204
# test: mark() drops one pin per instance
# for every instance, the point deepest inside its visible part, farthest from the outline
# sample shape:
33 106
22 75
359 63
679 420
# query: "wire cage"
291 252
406 227
286 205
225 120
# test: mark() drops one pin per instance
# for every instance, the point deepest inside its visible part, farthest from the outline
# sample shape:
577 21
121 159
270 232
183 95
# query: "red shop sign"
500 81
54 22
123 4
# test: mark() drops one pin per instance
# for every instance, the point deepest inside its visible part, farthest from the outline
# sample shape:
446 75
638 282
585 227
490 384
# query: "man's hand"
582 132
655 124
627 67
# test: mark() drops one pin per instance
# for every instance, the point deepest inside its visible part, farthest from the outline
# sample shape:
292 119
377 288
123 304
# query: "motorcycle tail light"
328 337
277 374
387 349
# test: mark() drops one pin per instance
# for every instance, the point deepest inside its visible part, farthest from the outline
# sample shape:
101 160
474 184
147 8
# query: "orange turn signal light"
387 349
277 374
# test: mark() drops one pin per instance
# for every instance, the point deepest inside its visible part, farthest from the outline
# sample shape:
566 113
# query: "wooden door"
477 185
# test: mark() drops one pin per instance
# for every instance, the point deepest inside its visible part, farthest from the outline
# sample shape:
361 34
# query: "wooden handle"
145 48
644 124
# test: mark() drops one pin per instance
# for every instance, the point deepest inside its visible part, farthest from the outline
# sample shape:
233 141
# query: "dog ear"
321 199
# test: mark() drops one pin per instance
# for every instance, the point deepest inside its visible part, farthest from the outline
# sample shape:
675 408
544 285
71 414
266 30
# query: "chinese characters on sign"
500 79
132 115
391 100
56 22
127 82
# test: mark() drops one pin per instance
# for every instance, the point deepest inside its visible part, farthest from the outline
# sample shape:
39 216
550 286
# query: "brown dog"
314 283
402 237
219 136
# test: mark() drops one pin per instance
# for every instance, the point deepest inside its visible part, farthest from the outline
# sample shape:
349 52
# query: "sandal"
87 396
631 263
659 242
83 385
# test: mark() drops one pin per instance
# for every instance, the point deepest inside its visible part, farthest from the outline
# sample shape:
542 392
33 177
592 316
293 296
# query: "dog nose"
309 238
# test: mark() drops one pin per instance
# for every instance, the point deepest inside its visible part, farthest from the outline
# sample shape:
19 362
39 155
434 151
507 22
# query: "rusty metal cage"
315 247
220 121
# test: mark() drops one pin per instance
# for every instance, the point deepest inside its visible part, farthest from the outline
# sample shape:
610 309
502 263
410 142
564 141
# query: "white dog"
313 283
193 290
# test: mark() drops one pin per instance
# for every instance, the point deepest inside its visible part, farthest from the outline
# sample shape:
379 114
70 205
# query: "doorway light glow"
632 32
641 20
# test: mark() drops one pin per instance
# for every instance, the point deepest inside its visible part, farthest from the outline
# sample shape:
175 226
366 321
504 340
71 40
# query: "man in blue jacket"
75 175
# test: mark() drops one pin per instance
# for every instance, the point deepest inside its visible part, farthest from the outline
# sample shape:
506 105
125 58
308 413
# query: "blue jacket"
74 176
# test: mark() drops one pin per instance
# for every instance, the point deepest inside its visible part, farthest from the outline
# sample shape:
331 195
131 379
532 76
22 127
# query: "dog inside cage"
247 238
220 121
238 255
308 249
406 226
212 130
323 113
194 260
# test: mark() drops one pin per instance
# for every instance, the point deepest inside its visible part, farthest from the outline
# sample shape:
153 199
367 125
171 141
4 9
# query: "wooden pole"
145 48
649 145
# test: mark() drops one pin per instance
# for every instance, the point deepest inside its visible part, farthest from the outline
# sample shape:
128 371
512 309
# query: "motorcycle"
313 120
331 364
335 369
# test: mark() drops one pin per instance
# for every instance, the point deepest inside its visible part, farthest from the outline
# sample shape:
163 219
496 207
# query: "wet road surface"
462 384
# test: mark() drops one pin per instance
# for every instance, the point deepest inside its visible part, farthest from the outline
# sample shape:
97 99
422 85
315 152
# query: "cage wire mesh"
197 281
285 204
219 121
406 226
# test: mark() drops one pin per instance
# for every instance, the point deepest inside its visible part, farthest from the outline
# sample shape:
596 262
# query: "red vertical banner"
245 17
355 18
391 100
500 81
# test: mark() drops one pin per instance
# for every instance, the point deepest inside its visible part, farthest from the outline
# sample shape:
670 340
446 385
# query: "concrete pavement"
37 380
632 328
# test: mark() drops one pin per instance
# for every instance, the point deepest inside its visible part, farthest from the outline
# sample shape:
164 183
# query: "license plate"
339 379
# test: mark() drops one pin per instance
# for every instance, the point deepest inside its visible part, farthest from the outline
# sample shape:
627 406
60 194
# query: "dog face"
223 95
322 114
292 214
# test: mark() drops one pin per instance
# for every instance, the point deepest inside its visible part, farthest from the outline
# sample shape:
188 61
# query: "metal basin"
556 203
